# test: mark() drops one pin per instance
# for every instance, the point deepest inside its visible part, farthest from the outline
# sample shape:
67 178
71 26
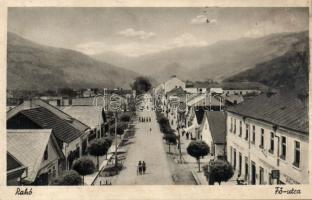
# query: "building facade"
268 140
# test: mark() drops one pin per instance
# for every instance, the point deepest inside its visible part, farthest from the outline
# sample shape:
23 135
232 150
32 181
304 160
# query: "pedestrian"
143 119
150 119
187 135
183 132
191 135
139 168
143 167
150 129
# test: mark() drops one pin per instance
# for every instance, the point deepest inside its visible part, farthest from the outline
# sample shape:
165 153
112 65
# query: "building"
213 132
172 83
194 119
89 115
70 133
16 171
268 139
36 149
228 88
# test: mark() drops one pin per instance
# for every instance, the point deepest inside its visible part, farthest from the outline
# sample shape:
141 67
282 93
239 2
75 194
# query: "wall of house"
50 165
215 149
173 83
241 91
262 157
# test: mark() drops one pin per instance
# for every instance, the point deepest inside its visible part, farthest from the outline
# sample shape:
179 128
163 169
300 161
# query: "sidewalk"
89 179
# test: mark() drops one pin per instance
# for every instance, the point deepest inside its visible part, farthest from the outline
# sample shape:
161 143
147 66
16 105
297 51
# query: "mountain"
217 61
35 66
289 72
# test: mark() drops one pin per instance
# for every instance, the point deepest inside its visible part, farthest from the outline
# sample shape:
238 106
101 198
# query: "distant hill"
217 61
34 66
289 72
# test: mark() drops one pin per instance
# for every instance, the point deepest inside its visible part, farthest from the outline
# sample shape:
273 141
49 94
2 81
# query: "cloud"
137 48
202 19
130 32
187 39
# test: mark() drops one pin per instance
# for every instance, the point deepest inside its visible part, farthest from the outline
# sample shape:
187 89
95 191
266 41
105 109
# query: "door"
261 171
253 173
246 170
234 164
240 163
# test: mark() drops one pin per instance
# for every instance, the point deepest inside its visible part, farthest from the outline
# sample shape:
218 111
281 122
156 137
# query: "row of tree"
99 147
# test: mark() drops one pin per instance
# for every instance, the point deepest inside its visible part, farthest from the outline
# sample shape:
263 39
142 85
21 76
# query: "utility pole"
116 159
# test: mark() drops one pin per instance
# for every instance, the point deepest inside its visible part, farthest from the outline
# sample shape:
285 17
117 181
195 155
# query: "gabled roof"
62 129
217 125
89 115
35 103
199 113
176 92
28 147
285 110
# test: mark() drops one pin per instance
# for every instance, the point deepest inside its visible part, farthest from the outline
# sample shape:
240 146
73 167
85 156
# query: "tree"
98 148
84 166
125 117
69 177
108 142
141 85
198 149
120 128
170 138
217 171
69 92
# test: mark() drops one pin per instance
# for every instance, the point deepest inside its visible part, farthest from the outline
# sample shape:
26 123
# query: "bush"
125 117
98 147
84 166
218 171
69 177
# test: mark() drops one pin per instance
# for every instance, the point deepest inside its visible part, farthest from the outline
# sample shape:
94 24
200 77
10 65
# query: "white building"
269 135
213 132
172 83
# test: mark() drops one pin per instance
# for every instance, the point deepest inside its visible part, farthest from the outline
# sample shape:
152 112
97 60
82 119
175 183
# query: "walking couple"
141 168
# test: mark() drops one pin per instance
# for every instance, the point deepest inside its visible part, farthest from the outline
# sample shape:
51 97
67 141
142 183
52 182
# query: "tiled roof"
217 125
28 147
285 110
89 115
40 103
176 92
62 129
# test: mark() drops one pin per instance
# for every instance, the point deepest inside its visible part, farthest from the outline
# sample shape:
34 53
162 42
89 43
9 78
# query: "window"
247 132
45 155
231 129
240 128
253 139
297 154
262 139
283 148
271 143
234 126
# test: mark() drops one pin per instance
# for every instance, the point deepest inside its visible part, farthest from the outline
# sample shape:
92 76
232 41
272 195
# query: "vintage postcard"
155 100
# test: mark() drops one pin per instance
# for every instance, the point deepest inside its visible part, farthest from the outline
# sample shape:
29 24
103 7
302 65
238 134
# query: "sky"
140 31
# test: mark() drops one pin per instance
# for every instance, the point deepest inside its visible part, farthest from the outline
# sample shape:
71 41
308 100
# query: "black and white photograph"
106 96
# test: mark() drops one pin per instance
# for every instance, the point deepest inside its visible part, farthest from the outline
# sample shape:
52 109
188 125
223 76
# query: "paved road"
147 146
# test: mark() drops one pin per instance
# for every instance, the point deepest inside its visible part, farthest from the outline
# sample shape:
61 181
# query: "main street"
148 146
